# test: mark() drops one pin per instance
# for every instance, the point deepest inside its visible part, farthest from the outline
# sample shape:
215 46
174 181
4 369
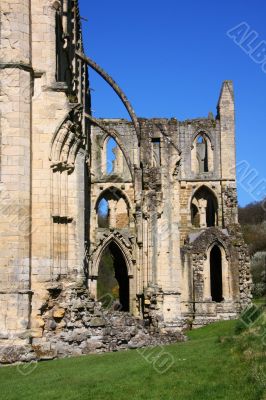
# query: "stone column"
15 190
202 213
118 168
226 114
112 213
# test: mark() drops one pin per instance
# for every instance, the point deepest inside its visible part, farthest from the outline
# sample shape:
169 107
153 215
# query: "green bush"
258 266
259 290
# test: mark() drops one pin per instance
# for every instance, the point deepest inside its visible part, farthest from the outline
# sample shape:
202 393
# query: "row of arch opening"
113 209
113 282
113 160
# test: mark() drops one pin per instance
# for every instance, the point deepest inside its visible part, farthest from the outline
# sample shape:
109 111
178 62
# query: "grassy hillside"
214 364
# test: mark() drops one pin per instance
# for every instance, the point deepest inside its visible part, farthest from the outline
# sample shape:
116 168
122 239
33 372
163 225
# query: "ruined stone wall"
74 324
58 191
171 197
236 281
164 184
160 206
42 166
187 190
16 132
118 188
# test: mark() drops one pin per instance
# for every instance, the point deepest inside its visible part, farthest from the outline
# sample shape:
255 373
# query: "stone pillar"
226 114
118 162
202 212
15 190
112 213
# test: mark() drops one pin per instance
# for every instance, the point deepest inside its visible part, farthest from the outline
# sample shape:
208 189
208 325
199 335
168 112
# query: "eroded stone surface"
170 193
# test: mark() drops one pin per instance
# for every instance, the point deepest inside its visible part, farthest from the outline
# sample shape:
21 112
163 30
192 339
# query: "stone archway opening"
195 217
201 154
113 279
216 274
112 209
204 208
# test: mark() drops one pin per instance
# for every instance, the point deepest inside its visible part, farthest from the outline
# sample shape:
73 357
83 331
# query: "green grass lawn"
204 368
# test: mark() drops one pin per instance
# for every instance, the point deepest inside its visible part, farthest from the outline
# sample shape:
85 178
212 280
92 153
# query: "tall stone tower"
43 154
16 166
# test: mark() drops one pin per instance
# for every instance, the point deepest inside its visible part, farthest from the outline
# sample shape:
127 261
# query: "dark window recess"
216 274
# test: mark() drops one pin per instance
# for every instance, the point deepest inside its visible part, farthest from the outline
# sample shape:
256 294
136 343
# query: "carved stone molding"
67 141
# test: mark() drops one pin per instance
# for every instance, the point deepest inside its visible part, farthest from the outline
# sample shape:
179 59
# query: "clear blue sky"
171 57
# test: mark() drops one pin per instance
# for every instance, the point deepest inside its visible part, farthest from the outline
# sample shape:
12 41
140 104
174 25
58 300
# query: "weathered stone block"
97 322
59 313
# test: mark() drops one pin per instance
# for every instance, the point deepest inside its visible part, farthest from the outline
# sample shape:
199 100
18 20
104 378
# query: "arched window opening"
202 155
112 210
113 160
195 218
111 147
113 280
204 209
103 214
216 274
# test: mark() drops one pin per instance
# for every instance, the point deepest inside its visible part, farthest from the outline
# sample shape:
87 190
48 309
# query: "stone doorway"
113 279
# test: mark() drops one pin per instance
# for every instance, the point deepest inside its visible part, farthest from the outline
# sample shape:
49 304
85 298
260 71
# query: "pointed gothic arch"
67 141
202 153
119 164
125 250
124 246
112 133
113 279
217 276
113 192
204 208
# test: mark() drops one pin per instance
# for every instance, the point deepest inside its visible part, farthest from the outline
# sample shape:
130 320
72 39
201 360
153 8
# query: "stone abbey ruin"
164 210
